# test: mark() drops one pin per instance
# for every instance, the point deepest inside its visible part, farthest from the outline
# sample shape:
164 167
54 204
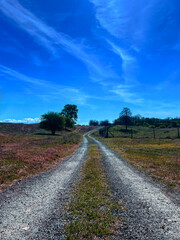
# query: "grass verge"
24 156
160 158
144 132
92 207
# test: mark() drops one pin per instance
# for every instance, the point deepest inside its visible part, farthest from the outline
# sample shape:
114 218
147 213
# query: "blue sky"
102 55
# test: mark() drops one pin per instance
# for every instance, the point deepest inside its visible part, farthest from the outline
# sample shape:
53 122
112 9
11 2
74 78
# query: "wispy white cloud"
72 95
8 73
28 22
127 94
24 120
49 38
134 21
128 61
48 91
111 16
38 61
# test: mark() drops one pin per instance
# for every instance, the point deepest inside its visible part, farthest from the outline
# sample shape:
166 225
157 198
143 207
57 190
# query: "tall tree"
125 116
52 121
70 111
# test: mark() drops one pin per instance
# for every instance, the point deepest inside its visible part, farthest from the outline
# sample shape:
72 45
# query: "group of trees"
54 121
97 123
126 118
155 122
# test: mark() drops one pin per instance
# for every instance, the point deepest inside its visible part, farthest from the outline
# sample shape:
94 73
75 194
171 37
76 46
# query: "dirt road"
32 209
151 213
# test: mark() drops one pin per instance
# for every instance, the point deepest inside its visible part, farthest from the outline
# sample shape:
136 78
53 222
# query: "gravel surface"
32 209
151 213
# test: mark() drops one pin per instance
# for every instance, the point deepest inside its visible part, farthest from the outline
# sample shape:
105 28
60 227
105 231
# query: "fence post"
106 132
131 133
154 133
178 131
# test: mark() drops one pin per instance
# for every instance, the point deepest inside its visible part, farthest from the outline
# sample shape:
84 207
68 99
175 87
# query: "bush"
151 126
52 121
145 124
162 126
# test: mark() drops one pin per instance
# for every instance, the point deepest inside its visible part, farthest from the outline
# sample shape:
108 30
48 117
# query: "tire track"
32 208
150 213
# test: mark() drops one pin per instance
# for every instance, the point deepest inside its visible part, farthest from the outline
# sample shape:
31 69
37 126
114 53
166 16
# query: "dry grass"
159 158
24 156
91 210
144 132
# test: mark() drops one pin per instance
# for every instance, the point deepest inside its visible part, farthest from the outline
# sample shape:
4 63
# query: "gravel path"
151 214
32 208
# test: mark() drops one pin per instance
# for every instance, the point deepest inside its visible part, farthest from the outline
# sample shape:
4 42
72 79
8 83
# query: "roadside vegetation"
143 132
25 150
92 208
159 157
26 155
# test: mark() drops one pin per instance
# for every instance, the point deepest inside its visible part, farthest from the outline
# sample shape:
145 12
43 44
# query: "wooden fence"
156 133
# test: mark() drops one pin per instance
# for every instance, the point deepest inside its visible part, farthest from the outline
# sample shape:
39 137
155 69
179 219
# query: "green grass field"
144 132
158 157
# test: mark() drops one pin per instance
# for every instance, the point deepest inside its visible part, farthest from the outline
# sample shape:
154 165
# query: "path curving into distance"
151 214
32 208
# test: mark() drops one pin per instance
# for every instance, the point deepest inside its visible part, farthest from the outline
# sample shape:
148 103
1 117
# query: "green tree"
93 123
104 123
70 111
52 121
125 116
69 122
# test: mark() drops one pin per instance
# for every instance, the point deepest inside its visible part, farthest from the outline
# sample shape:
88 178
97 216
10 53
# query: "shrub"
52 121
162 126
145 124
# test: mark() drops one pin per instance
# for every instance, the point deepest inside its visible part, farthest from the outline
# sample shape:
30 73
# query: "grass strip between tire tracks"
93 209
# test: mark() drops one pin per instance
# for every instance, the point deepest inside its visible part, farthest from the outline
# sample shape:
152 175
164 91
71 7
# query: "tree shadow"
47 134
